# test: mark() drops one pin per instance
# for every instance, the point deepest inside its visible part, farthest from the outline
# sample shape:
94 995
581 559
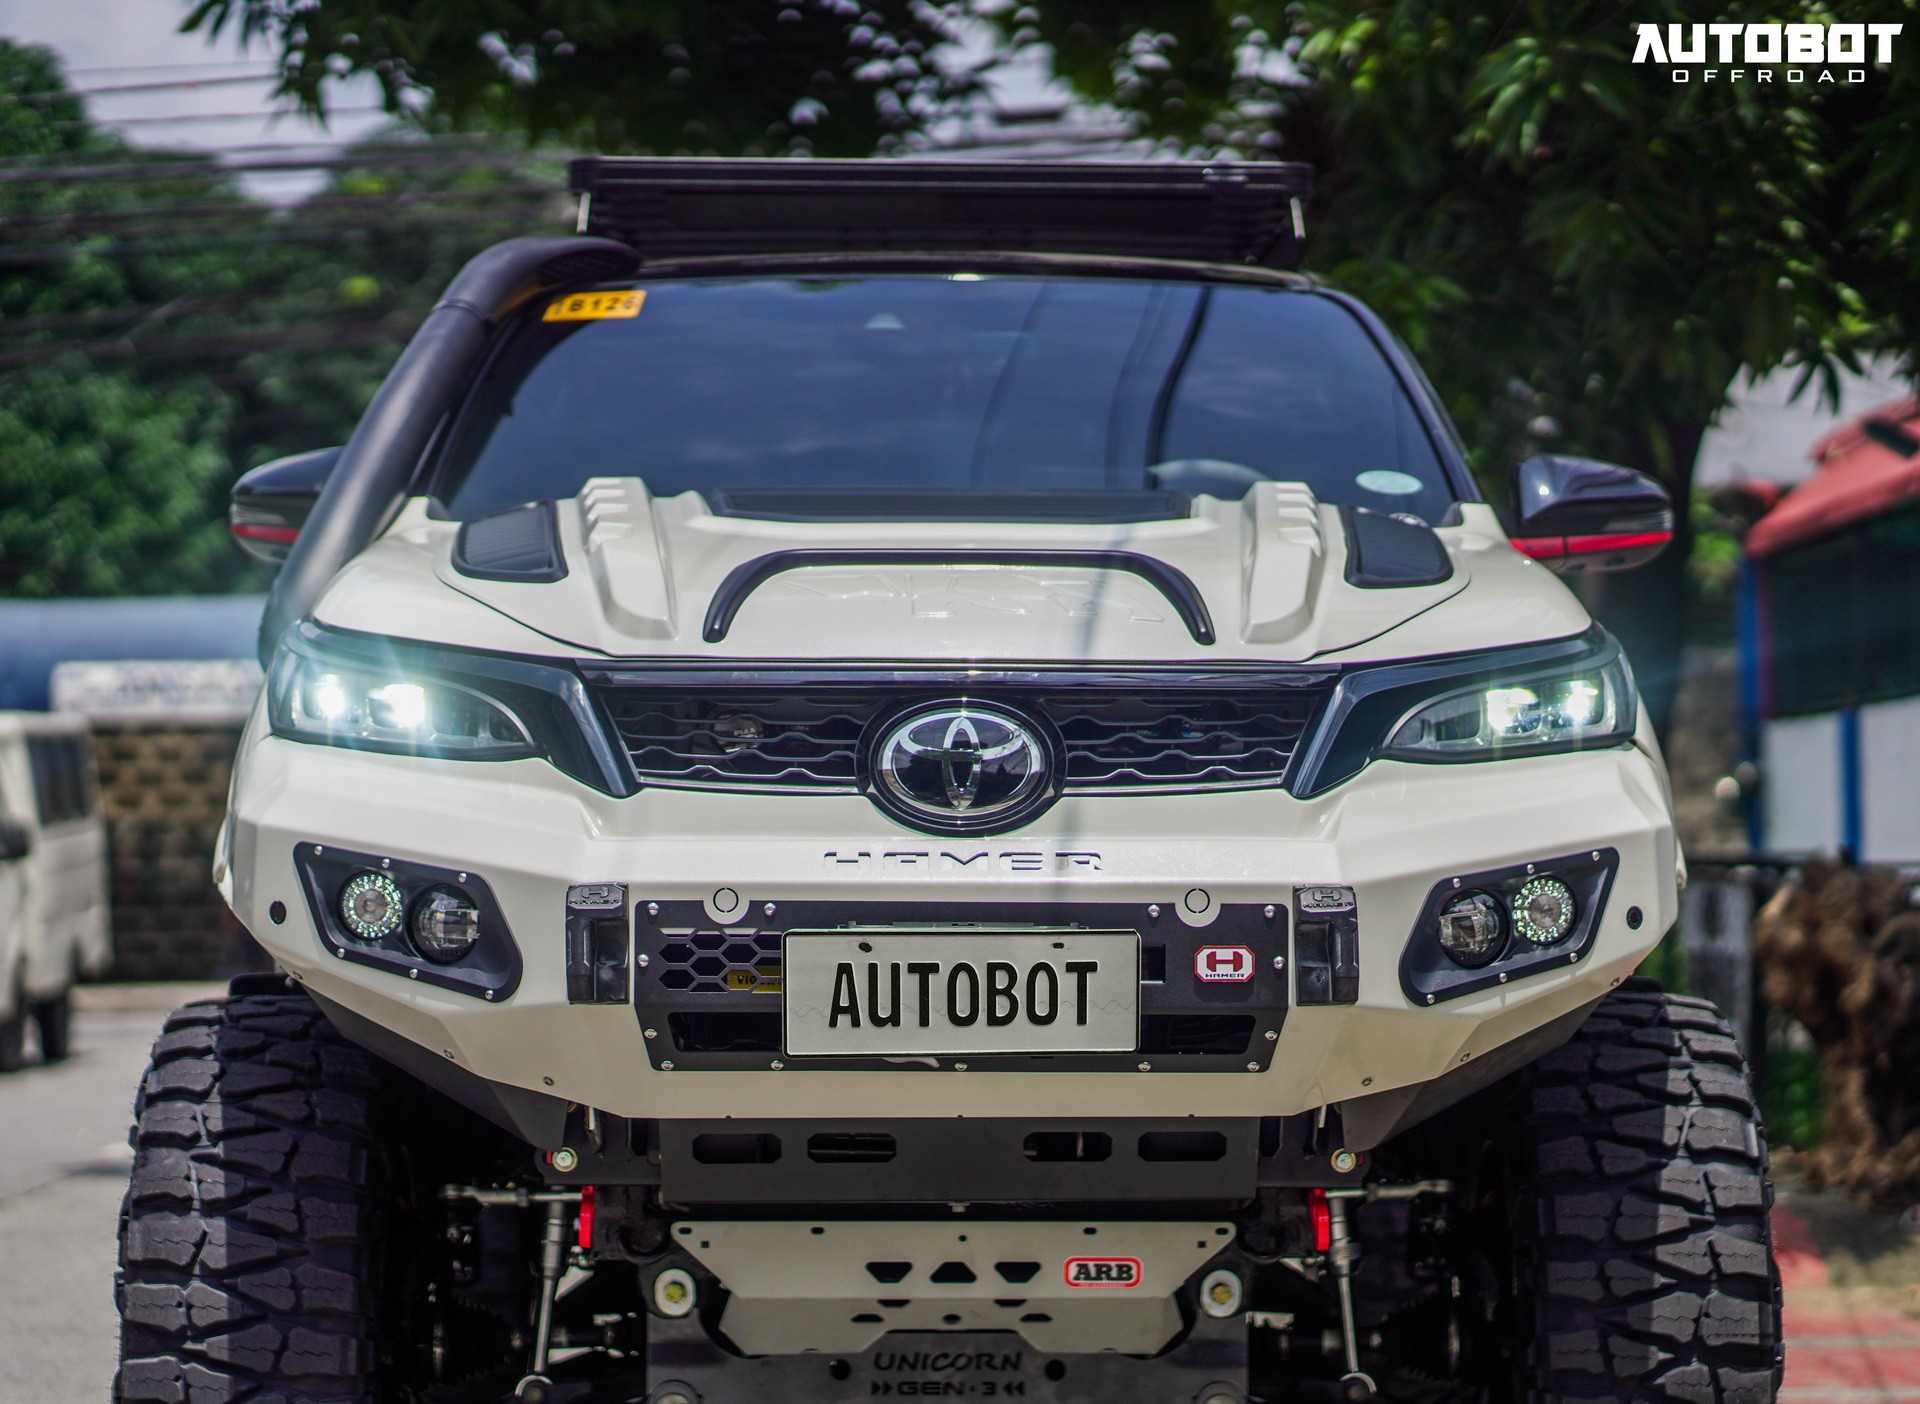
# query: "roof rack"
1215 212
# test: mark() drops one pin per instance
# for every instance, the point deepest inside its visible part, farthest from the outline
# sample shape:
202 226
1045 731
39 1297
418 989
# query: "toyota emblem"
960 767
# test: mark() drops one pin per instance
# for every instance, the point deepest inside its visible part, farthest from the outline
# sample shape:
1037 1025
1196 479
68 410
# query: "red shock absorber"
586 1216
1322 1214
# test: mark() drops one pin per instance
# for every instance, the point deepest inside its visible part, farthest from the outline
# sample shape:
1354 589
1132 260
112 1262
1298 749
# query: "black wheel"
1641 1260
248 1234
13 1030
54 1018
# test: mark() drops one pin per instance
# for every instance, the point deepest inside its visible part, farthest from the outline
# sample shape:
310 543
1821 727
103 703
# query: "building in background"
165 684
1830 647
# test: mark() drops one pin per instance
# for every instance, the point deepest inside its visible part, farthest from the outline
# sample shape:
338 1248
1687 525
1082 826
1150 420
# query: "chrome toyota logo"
961 767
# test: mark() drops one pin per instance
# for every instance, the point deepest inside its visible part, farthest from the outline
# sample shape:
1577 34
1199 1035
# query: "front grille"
1127 735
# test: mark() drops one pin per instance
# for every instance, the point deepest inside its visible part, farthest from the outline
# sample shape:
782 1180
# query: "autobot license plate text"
916 993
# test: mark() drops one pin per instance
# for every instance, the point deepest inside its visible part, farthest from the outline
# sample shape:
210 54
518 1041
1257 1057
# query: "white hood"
641 574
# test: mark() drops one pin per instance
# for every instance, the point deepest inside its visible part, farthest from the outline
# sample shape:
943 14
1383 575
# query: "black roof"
1212 212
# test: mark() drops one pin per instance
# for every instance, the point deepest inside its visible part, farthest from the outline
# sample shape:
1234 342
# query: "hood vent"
521 543
1384 553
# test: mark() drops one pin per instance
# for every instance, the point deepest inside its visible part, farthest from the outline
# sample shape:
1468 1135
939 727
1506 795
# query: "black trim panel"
704 1016
490 971
748 576
1427 976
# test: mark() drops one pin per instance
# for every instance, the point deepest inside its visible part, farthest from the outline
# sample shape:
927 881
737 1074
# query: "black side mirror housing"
270 503
15 841
1579 514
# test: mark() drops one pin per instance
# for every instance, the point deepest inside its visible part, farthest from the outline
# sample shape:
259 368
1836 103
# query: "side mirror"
1576 514
15 841
270 504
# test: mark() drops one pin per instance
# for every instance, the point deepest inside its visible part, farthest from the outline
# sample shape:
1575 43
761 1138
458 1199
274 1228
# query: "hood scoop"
521 543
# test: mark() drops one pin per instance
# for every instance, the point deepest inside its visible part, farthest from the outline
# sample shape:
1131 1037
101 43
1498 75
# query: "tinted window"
941 383
62 777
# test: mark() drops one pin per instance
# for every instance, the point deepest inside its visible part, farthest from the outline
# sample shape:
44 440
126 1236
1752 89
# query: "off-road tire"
246 1237
1645 1268
54 1020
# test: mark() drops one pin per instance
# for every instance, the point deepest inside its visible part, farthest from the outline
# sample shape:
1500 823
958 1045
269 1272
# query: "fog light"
1472 932
1543 910
446 923
370 905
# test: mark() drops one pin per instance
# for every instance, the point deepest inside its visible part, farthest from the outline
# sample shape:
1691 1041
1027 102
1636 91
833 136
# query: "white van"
53 879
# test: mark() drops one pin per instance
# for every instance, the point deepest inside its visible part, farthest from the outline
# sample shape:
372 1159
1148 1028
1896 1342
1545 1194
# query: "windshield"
987 386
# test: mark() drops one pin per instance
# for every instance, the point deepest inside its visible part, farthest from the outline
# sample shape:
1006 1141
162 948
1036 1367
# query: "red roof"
1857 479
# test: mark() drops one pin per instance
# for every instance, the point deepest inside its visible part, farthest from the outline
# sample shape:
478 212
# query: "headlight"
1507 716
315 699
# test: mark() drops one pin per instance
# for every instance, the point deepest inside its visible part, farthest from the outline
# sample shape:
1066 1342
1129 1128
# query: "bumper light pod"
370 905
446 923
1543 911
1473 930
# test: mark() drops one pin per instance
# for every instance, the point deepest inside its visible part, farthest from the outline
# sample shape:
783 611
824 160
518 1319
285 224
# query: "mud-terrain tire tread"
246 1229
1651 1257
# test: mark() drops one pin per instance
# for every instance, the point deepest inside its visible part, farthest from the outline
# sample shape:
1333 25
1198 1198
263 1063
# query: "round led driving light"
1543 910
1472 930
446 923
371 906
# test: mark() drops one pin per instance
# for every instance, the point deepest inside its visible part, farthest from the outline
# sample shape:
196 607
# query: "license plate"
917 993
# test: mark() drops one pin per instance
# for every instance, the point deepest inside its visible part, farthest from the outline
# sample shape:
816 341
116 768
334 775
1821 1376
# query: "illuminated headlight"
371 905
446 923
1473 931
1507 716
1543 910
313 699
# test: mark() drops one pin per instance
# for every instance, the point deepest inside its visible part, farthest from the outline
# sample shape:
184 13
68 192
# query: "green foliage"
109 486
827 77
1792 1097
1583 253
160 332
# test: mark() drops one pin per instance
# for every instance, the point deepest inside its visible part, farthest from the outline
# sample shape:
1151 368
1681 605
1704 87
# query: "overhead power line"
197 118
88 221
161 86
205 168
222 346
28 254
167 67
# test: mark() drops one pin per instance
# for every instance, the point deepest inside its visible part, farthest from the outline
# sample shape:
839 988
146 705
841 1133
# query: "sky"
212 103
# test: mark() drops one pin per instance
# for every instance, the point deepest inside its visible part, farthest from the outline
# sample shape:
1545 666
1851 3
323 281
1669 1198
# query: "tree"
160 332
1583 252
826 77
108 482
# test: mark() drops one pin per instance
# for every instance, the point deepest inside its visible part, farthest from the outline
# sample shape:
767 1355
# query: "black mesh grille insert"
808 738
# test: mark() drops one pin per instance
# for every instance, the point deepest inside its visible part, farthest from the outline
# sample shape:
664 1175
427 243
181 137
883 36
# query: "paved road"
63 1165
1853 1280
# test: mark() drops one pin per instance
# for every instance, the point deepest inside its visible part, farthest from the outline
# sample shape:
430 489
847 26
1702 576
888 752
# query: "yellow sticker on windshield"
593 306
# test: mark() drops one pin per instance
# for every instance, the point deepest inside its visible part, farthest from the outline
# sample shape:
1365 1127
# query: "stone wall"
163 794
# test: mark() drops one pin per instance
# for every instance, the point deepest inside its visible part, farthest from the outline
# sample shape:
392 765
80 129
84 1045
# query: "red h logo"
1234 963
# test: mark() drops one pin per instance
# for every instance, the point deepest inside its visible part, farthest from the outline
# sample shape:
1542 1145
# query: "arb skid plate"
1210 1362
